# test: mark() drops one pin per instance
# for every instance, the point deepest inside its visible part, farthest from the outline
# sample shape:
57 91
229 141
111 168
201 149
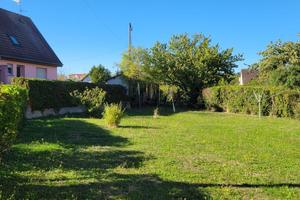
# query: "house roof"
31 47
113 77
77 76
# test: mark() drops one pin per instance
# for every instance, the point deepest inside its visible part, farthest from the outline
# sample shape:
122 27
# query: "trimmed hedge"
44 94
12 106
241 99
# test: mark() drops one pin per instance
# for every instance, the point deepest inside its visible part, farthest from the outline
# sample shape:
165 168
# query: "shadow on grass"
70 132
115 186
73 159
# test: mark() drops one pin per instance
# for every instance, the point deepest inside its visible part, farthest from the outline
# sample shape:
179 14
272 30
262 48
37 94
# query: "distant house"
86 78
115 80
24 52
76 77
247 75
119 80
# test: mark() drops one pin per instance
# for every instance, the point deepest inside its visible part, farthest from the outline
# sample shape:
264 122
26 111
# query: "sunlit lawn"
188 155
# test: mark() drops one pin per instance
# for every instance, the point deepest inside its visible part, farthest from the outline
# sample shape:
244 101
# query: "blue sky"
88 32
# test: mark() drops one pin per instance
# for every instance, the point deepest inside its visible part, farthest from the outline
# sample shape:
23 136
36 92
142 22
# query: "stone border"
52 112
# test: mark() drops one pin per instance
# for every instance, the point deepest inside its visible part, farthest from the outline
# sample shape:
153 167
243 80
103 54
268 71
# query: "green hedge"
56 94
12 106
241 99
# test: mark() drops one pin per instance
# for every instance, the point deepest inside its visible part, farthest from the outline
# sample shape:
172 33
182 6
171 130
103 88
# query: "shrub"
277 101
112 114
92 99
56 94
12 106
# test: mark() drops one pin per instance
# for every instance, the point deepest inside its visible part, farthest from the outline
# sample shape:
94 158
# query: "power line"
106 26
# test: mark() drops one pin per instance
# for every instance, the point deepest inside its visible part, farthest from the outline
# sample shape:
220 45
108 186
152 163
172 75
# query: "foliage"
99 74
288 77
93 99
12 106
132 64
278 102
61 76
112 114
280 64
190 64
190 155
56 94
170 92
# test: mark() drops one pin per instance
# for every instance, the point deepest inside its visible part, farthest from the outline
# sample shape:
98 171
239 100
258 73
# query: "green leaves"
99 74
280 64
275 101
93 99
190 63
12 106
132 64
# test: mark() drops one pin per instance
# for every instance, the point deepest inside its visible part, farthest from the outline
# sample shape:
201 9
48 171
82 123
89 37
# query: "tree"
190 64
170 92
61 76
99 74
132 66
280 64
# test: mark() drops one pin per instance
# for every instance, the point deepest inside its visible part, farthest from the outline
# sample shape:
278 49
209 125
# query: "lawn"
188 155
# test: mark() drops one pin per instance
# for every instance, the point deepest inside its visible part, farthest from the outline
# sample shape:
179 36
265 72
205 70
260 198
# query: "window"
14 40
20 71
10 69
41 73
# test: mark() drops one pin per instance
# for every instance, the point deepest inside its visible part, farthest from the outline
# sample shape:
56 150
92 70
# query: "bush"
92 99
278 102
45 94
112 114
12 106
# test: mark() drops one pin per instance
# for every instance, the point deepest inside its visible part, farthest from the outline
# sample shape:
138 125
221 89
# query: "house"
24 52
76 77
86 79
247 75
148 92
119 79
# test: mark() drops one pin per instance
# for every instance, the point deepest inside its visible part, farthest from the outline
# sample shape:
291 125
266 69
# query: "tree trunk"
173 104
259 109
158 103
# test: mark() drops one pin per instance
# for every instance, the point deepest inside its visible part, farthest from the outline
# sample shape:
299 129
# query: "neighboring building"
247 75
115 80
86 79
118 80
76 77
23 50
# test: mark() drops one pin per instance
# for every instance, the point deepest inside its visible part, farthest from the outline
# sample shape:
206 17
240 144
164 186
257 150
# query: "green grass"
188 155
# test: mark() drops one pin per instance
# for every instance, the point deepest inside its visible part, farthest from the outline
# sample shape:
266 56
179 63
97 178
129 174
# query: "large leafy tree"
190 64
280 64
99 74
132 63
132 66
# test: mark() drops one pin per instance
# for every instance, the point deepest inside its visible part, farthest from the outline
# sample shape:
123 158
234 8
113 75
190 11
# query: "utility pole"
130 29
